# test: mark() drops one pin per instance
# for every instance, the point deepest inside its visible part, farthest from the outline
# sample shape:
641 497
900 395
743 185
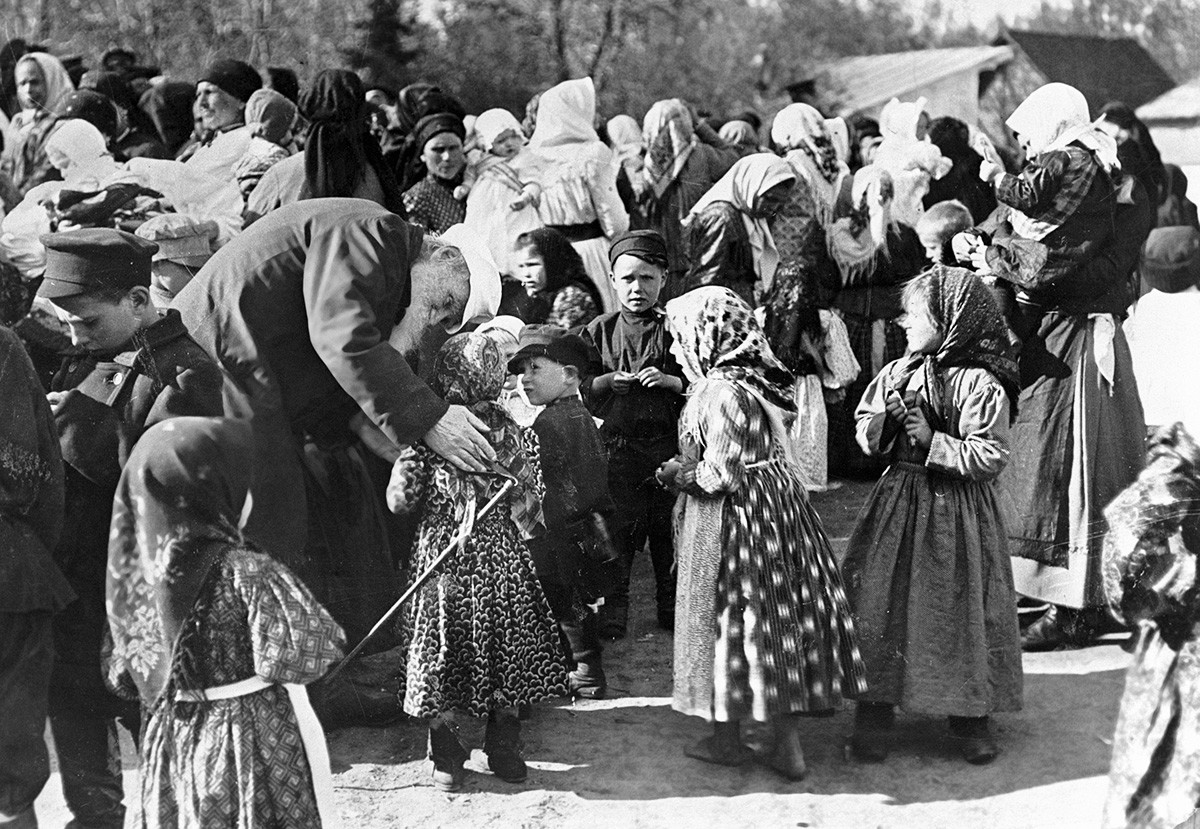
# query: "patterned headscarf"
470 371
177 505
800 134
718 338
975 332
669 137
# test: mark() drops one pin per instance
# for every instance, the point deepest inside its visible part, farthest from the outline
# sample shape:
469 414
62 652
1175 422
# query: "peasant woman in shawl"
763 629
217 639
927 567
42 83
479 636
728 235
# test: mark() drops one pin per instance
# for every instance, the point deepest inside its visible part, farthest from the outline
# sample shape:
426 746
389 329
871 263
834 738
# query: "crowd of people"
272 352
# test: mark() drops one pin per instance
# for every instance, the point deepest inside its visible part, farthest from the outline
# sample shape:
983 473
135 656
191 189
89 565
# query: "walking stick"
509 483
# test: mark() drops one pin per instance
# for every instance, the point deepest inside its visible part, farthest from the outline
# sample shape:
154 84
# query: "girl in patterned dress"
927 568
217 638
480 637
754 564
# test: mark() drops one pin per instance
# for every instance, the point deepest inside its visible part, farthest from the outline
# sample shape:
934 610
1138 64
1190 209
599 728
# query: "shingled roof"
1102 68
867 81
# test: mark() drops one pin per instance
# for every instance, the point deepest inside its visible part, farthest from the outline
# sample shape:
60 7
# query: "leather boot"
502 744
974 739
872 739
448 756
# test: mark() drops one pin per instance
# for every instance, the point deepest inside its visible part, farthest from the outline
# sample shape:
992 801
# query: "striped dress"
763 627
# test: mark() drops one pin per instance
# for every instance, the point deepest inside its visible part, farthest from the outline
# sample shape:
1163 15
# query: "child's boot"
974 739
872 737
502 745
448 756
587 680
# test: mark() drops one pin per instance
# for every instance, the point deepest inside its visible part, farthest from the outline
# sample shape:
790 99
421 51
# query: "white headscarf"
78 150
1056 115
625 138
669 137
484 299
494 123
743 186
799 131
565 117
58 86
839 134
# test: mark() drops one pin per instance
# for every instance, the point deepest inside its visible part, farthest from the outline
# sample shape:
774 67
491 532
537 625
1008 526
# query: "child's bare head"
921 321
939 225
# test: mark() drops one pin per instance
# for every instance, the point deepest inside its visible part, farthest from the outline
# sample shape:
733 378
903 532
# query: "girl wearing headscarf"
217 639
762 626
1064 198
728 231
578 178
340 160
684 159
625 138
270 117
806 336
433 202
42 82
480 638
500 206
875 255
1150 581
927 566
557 288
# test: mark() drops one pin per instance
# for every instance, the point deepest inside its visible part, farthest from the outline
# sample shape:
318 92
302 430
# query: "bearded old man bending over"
299 311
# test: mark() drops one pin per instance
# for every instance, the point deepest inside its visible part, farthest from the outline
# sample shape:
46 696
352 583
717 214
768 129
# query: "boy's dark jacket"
109 403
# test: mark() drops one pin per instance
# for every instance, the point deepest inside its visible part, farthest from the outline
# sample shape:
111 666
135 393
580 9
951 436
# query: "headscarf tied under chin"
1056 115
718 338
269 115
669 138
58 86
339 147
470 371
494 123
976 335
799 132
743 187
176 509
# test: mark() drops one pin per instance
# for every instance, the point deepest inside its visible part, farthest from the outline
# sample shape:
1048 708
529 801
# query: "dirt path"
619 762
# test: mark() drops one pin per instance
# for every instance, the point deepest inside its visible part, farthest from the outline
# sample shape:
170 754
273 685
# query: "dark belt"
580 233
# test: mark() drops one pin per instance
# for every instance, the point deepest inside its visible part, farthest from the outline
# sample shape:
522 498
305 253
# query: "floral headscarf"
975 332
470 371
743 186
669 137
718 338
177 506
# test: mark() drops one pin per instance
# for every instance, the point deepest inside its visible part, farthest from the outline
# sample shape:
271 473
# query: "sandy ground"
620 763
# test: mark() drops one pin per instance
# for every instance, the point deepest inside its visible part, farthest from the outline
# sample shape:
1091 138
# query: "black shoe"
1045 634
448 757
974 739
502 745
872 738
587 682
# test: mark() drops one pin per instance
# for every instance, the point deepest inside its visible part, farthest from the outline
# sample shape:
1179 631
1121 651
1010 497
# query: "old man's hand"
459 438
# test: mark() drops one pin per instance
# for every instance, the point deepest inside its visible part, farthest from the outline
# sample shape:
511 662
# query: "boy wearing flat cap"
139 366
575 558
639 396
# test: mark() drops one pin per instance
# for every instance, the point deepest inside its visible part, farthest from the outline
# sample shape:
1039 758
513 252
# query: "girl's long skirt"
763 627
928 575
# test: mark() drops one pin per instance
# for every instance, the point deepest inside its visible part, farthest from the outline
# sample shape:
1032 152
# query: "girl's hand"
653 378
622 381
667 473
895 406
918 428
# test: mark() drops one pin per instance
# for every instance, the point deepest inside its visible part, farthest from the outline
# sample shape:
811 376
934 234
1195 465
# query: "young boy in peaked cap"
139 367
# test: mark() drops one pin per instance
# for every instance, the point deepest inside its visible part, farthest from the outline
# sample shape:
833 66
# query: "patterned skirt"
763 627
479 634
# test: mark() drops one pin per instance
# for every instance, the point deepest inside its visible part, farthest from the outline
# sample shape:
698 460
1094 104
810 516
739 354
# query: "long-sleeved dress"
763 627
927 566
240 761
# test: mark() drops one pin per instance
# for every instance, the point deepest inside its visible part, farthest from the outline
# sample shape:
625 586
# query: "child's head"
99 280
551 362
921 321
499 132
546 261
271 116
638 268
1171 259
939 225
468 370
505 332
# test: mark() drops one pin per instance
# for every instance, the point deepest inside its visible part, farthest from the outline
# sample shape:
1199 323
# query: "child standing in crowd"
31 504
927 568
558 290
139 367
575 558
505 332
763 630
639 397
480 637
938 226
216 638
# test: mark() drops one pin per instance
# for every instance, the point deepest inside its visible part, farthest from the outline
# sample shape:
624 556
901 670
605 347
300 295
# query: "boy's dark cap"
1171 259
647 245
81 261
555 344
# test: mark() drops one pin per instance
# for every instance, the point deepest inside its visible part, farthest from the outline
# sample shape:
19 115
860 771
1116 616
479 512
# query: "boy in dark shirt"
139 367
639 397
574 559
